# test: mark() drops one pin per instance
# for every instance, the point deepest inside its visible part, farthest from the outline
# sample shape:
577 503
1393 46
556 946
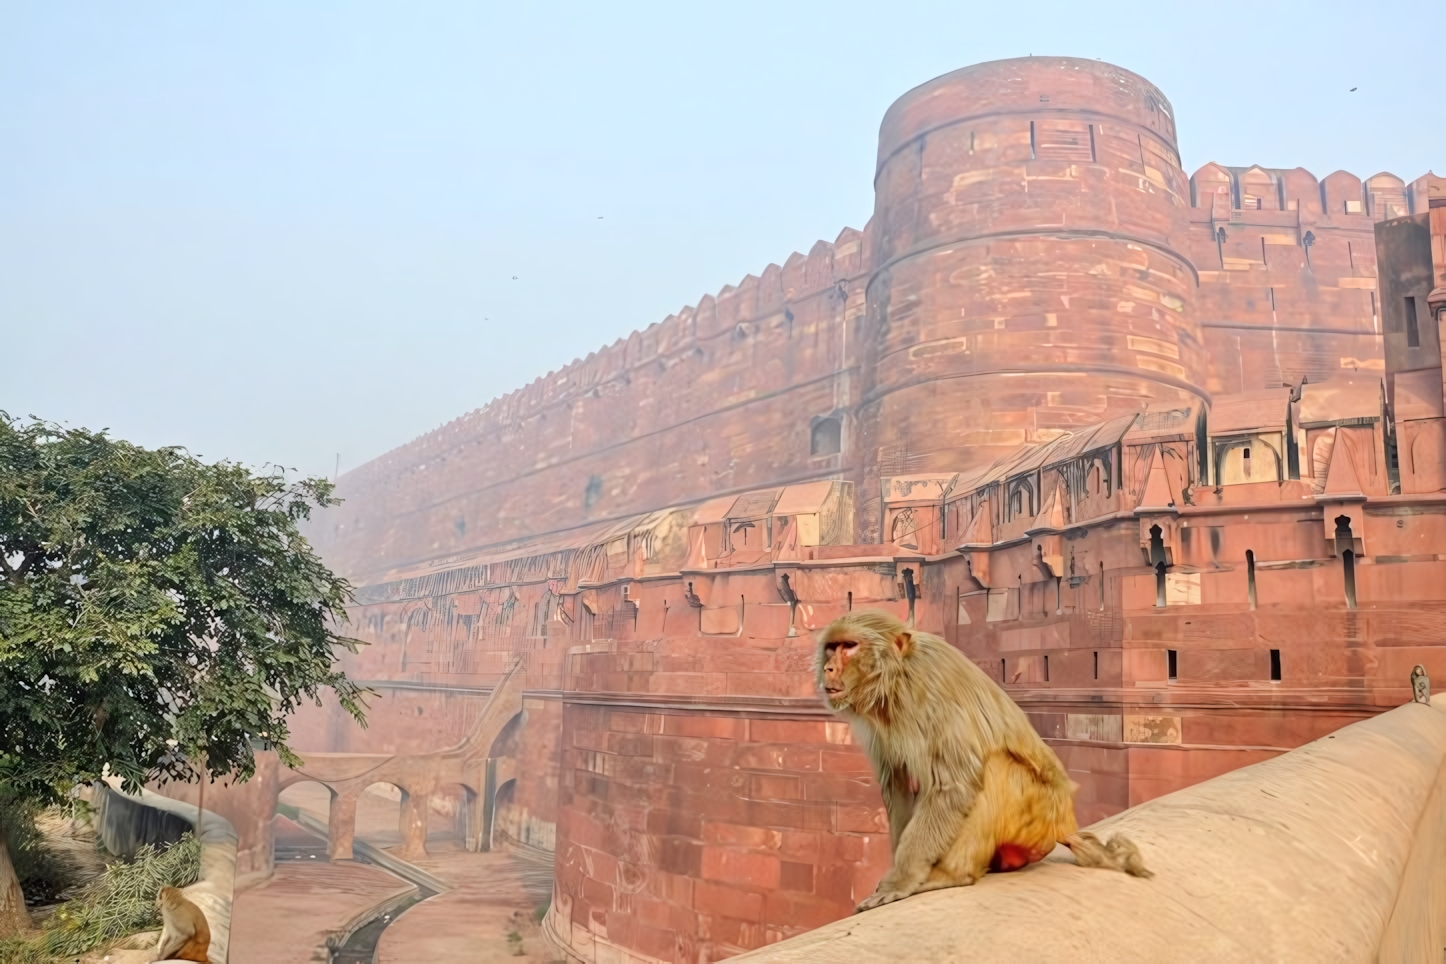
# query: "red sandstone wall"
1273 309
715 399
693 836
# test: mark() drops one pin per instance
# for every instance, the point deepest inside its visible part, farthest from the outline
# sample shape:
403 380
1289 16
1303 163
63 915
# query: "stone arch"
506 742
376 805
1248 460
304 794
457 807
504 814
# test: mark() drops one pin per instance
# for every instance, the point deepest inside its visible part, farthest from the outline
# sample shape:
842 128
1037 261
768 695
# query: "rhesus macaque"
968 785
185 935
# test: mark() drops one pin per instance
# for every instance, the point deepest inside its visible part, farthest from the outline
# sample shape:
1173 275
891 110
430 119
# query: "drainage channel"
361 945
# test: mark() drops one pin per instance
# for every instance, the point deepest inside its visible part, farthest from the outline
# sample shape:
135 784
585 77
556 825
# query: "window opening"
826 437
1160 585
1097 664
1345 543
1250 576
1275 666
911 592
1046 668
1102 587
1093 155
1348 562
1413 330
1003 673
1031 140
1172 663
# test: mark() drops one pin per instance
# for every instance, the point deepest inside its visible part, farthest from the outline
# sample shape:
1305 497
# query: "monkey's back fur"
968 784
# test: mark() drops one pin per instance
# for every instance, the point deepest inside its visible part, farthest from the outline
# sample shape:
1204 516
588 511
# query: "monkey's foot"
879 900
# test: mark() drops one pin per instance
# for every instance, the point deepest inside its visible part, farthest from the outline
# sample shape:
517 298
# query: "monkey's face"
837 654
859 655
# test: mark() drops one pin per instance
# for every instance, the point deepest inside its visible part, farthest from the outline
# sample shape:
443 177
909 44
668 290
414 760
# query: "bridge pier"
341 825
413 823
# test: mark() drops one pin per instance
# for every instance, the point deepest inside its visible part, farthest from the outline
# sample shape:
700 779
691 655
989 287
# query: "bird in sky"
1353 90
514 277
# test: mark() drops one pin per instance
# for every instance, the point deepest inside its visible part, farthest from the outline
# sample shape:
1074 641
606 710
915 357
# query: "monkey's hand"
879 899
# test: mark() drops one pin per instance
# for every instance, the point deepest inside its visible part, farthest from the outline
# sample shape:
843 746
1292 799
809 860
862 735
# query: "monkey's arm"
898 802
938 815
169 943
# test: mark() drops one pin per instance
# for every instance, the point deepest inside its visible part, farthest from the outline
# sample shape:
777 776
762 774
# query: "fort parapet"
1163 454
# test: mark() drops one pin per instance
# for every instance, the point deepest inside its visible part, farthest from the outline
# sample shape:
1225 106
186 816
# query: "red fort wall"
1120 435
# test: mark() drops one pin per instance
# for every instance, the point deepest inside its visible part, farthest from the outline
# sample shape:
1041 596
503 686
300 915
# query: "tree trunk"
14 918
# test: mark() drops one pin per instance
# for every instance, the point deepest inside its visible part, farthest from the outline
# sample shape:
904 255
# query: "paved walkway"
492 897
284 920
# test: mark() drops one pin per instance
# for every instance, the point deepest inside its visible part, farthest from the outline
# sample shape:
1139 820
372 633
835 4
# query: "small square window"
826 436
1355 207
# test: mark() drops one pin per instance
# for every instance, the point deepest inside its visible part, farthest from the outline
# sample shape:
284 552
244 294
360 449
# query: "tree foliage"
153 608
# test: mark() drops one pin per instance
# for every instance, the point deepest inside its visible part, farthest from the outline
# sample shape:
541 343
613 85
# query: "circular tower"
1027 280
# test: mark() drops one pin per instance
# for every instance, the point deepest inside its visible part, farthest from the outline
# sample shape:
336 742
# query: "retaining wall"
1335 851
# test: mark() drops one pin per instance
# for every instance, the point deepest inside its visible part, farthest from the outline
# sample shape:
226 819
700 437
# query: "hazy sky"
286 231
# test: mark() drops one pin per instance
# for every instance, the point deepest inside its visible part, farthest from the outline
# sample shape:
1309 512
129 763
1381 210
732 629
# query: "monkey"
968 785
185 935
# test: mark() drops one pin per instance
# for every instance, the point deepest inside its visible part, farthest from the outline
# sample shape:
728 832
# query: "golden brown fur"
966 781
185 935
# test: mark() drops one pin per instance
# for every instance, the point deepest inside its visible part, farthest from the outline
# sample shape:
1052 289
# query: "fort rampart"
1153 450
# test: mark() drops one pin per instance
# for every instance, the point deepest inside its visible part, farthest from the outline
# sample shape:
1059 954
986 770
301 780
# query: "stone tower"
1027 278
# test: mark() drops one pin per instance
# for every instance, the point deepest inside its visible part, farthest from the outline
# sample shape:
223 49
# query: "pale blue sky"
282 231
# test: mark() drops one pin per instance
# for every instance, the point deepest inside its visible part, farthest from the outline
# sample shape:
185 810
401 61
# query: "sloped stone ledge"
1335 851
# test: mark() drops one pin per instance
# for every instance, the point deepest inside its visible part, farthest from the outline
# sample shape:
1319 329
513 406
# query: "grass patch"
120 902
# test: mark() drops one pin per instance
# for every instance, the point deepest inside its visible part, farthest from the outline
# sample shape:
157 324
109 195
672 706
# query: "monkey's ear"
904 640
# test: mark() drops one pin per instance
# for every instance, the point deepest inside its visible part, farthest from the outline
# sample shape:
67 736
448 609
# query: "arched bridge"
419 776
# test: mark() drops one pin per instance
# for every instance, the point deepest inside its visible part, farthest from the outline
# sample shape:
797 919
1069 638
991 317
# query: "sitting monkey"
968 785
185 935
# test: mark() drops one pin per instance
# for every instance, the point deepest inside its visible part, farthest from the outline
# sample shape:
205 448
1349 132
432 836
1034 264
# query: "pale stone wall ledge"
1335 851
214 890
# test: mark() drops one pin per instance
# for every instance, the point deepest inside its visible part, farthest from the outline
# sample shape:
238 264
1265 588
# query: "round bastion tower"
1027 280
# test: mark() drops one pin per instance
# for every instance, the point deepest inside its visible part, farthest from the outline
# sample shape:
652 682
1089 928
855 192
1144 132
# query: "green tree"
155 610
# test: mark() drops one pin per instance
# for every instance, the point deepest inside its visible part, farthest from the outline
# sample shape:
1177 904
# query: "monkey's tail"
1119 854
